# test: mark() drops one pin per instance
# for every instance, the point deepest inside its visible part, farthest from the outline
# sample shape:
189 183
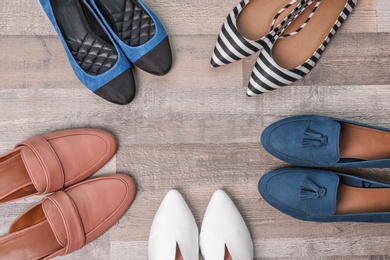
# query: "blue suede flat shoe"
138 32
95 58
319 141
324 196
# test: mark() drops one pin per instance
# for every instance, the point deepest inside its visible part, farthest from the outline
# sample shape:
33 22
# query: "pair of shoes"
174 234
78 211
325 196
103 38
290 50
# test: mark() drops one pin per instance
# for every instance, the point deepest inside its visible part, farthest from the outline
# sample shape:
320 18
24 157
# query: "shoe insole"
179 256
293 51
129 20
298 21
33 242
363 143
352 200
254 22
227 254
14 179
93 54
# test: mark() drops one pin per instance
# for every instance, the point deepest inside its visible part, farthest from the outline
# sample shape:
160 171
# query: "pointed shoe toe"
325 196
320 141
144 41
67 220
224 231
93 54
174 230
47 163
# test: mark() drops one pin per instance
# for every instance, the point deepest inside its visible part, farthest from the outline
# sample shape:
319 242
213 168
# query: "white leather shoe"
174 234
224 234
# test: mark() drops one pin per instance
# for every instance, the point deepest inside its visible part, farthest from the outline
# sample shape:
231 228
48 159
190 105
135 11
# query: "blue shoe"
138 32
324 196
95 58
319 141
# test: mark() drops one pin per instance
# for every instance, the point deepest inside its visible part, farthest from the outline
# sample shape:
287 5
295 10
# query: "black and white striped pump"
231 46
268 75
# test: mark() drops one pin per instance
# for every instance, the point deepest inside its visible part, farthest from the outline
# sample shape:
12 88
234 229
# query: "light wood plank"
43 64
383 15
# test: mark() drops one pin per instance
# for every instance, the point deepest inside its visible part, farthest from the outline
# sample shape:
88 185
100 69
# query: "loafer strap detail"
65 221
42 164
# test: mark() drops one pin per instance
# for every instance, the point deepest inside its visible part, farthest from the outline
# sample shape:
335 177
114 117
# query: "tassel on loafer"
325 196
293 55
95 58
139 33
251 25
320 141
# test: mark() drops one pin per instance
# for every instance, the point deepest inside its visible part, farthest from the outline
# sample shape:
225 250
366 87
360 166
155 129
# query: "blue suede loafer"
95 58
324 196
319 141
138 32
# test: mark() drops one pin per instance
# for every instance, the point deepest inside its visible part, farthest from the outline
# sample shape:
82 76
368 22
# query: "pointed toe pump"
138 32
298 49
95 58
250 25
224 234
174 234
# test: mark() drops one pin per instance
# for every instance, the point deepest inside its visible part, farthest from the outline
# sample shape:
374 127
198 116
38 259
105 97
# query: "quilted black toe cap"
120 90
158 61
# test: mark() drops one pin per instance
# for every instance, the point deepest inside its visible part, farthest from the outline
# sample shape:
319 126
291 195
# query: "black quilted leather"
93 54
134 26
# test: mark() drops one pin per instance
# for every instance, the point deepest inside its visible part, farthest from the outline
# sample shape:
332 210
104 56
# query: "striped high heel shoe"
250 26
293 55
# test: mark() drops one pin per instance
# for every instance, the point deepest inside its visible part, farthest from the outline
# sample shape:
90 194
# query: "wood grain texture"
194 129
383 13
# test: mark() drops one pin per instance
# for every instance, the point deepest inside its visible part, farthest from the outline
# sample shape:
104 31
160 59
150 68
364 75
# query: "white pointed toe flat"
174 234
224 234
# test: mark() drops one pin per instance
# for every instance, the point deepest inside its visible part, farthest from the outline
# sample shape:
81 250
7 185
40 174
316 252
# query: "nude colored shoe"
50 162
67 220
174 233
224 235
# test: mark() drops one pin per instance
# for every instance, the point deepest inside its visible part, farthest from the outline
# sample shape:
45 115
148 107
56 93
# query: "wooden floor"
195 130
